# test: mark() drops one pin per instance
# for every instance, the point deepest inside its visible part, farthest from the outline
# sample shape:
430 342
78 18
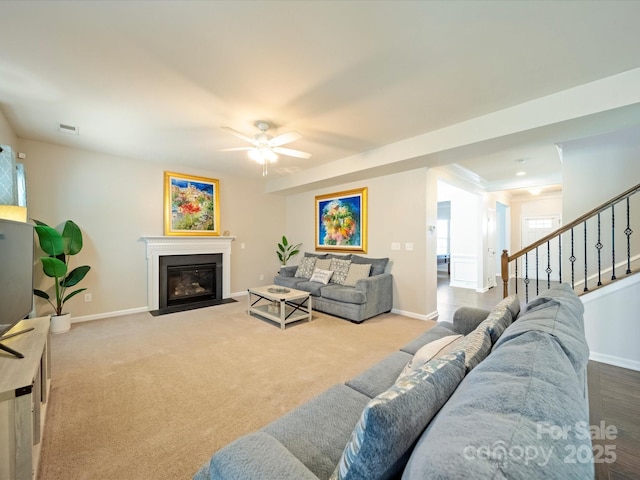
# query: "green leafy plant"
60 247
286 250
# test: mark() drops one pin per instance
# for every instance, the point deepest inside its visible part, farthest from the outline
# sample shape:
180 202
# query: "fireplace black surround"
189 281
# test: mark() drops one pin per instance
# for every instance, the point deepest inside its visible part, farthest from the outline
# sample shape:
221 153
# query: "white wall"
117 200
7 135
611 323
595 170
397 212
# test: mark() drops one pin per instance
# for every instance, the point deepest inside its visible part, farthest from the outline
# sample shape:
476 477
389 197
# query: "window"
442 237
537 223
7 176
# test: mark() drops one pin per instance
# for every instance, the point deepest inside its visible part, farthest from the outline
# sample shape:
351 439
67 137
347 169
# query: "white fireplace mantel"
160 246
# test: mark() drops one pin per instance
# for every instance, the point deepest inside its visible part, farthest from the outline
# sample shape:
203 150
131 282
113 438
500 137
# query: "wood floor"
614 394
614 402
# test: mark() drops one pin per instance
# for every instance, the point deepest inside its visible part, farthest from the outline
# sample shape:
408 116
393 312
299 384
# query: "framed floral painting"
191 205
341 221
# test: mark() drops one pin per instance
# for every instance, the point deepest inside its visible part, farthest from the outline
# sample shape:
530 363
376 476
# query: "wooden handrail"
506 258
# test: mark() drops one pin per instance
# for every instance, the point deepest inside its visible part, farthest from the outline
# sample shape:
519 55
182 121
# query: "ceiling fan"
265 148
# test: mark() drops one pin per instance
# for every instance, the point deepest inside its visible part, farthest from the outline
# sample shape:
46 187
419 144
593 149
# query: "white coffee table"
292 305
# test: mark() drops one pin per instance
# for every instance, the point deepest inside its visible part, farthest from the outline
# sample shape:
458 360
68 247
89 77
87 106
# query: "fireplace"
167 246
190 279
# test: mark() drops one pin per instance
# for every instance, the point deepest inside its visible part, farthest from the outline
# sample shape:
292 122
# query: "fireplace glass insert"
190 279
190 284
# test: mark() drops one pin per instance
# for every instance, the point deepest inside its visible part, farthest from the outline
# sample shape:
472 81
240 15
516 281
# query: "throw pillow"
392 421
431 350
323 264
357 272
340 270
378 265
476 347
501 317
321 276
315 255
305 269
339 256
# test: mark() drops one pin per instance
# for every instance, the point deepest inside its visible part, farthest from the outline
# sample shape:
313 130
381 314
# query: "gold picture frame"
191 205
341 221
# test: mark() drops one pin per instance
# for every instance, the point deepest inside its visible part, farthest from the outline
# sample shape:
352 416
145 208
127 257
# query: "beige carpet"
142 397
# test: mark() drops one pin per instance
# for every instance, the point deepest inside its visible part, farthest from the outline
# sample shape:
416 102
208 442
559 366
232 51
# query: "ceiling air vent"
68 129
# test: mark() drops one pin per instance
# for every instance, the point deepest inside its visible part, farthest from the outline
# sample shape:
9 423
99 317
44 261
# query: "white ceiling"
155 80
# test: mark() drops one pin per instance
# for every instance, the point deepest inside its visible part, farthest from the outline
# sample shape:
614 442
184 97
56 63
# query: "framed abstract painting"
341 221
191 205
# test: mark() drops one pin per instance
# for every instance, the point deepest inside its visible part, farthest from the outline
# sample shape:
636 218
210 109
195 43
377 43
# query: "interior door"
491 249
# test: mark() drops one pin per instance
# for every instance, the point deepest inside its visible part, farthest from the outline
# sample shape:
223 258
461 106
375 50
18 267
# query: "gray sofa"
368 297
489 404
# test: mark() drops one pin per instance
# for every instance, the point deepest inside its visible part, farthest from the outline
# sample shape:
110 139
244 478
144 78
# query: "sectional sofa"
480 397
357 287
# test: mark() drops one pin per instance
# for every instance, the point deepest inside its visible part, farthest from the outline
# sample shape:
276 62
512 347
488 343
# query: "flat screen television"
16 276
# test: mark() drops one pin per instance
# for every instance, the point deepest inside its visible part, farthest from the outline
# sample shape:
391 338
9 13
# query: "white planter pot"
60 323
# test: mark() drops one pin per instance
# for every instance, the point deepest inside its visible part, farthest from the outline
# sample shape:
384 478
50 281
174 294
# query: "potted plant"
286 250
60 247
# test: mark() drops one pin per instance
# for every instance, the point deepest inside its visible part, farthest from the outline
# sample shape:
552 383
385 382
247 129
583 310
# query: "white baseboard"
615 361
99 316
419 316
130 311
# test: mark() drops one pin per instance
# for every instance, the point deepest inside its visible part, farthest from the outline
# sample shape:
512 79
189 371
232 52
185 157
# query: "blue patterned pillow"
392 421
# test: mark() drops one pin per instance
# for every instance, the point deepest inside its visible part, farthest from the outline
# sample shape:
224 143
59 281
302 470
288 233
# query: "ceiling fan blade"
239 134
284 138
292 153
236 149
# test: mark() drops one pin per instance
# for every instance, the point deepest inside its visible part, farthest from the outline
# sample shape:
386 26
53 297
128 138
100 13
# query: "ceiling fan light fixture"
254 154
262 155
265 148
269 155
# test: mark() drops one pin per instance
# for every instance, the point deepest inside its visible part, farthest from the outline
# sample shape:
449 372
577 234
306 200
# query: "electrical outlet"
262 276
88 297
408 246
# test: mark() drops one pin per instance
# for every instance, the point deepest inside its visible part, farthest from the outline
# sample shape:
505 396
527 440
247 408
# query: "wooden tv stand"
24 390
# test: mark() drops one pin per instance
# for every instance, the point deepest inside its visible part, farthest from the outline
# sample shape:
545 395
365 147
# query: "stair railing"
567 239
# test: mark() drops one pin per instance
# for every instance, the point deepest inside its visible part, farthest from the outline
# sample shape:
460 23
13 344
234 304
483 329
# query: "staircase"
592 251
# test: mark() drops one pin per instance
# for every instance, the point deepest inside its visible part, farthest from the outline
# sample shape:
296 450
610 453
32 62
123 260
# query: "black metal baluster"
548 270
526 277
516 262
560 258
613 242
537 274
628 233
572 259
599 247
586 289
